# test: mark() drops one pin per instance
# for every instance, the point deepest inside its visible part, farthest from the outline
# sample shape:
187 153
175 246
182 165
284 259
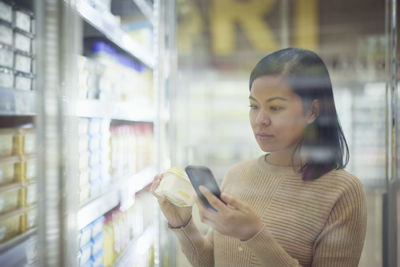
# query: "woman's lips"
264 137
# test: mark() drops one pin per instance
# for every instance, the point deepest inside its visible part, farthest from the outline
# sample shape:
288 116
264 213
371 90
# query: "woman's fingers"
205 214
212 199
156 182
235 203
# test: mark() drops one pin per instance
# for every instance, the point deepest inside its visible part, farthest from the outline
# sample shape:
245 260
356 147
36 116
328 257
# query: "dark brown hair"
323 142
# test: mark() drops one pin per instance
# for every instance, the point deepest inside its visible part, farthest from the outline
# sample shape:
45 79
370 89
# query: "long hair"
323 144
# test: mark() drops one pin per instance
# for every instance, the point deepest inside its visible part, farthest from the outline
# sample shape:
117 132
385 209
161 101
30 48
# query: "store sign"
223 17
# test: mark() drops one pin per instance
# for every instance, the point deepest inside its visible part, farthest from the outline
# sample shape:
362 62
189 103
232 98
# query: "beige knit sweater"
318 223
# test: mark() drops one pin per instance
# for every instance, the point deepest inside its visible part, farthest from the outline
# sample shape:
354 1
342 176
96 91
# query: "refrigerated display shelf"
145 8
136 247
14 158
107 26
97 207
116 111
16 251
17 103
110 199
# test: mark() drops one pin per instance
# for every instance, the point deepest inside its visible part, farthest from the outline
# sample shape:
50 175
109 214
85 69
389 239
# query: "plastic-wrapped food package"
6 34
7 174
22 63
6 142
5 12
23 82
6 56
176 186
23 20
6 78
10 199
10 227
22 42
30 141
31 219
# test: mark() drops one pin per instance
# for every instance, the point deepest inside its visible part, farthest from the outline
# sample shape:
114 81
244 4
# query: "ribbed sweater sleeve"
197 248
340 242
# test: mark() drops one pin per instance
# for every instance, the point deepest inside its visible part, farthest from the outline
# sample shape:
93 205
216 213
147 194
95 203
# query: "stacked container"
16 48
17 182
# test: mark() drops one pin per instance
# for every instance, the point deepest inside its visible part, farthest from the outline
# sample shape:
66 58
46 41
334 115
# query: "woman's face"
276 114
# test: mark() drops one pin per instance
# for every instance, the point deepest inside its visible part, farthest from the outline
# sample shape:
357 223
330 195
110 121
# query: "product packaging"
176 186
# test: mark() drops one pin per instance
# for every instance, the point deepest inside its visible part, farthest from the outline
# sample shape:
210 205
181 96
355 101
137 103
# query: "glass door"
219 42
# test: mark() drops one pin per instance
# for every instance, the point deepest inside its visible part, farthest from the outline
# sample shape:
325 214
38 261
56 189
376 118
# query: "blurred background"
98 96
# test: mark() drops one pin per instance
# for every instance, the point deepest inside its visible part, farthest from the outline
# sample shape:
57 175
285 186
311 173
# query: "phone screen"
201 175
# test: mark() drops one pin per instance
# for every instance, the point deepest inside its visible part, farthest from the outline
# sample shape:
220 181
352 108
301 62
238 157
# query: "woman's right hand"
176 216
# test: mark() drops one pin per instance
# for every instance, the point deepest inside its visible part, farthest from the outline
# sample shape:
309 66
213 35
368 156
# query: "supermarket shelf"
109 200
17 103
136 247
145 8
105 24
14 252
143 178
117 111
97 207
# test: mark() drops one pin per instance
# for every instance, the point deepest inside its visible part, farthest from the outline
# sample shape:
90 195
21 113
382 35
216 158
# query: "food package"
6 56
31 167
9 199
175 185
7 171
6 142
6 34
84 235
23 20
6 12
10 227
30 219
22 42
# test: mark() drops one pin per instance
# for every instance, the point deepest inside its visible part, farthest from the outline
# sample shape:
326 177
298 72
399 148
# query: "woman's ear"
313 112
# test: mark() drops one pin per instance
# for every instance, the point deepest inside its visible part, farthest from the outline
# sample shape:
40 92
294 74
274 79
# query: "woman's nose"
263 118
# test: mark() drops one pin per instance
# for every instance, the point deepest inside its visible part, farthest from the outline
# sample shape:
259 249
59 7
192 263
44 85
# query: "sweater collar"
276 169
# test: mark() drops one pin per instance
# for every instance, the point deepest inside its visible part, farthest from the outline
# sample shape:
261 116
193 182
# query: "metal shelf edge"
13 252
114 33
136 180
97 207
146 9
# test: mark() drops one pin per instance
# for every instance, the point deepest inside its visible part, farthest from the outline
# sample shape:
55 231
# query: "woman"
296 205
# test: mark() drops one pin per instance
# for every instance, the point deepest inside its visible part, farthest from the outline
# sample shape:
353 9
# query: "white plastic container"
23 20
5 12
6 56
22 42
23 82
6 78
175 185
22 63
6 34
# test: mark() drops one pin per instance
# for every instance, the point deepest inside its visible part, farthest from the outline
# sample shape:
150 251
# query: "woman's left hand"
234 218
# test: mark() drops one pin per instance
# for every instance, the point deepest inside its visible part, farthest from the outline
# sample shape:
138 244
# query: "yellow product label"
20 171
18 145
176 171
183 194
10 227
22 197
24 223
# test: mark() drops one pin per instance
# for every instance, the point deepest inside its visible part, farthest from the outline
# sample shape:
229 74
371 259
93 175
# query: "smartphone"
201 175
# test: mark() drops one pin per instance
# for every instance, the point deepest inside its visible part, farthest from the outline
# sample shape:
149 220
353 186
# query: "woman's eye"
276 108
253 106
